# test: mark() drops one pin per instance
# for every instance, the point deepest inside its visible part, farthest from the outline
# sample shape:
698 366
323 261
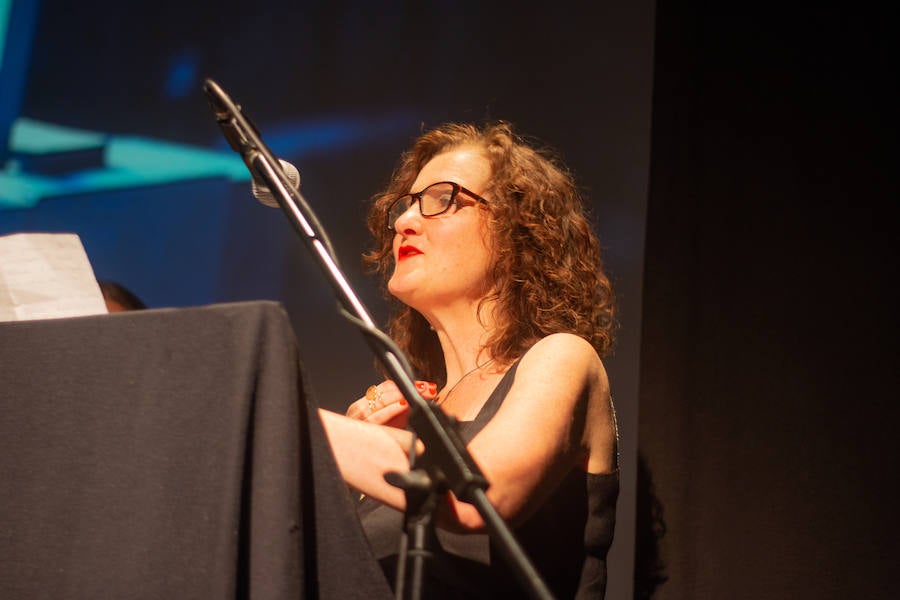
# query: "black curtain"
768 365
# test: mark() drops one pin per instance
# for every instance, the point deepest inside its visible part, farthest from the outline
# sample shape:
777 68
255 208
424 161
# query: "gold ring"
373 394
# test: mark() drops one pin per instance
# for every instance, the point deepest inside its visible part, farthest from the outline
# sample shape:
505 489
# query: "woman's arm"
365 452
557 415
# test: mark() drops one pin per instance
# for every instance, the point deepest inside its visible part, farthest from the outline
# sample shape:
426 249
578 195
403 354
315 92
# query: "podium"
170 453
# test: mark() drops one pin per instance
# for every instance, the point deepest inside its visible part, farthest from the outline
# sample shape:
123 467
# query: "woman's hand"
384 404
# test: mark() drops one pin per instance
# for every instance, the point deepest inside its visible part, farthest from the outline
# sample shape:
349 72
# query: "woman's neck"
462 335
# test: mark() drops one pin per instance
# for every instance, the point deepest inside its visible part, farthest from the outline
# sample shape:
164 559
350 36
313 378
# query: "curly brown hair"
548 274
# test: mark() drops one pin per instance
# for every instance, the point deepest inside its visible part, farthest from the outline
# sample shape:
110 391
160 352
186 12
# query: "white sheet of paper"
46 276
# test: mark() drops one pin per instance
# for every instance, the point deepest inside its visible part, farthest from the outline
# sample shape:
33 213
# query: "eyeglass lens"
433 200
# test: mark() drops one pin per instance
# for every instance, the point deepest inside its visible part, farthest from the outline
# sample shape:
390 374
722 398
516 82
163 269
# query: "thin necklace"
453 387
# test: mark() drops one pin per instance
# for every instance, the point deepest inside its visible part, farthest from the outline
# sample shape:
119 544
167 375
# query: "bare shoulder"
566 354
564 369
569 373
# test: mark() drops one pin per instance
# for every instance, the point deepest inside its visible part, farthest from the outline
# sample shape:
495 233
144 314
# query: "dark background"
768 401
754 146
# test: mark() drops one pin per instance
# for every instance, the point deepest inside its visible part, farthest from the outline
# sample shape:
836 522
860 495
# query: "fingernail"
402 401
420 385
432 387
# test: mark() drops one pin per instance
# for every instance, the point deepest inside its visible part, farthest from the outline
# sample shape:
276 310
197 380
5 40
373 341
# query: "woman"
505 312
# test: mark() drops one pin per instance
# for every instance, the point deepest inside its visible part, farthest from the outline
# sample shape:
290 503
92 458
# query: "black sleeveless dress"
566 539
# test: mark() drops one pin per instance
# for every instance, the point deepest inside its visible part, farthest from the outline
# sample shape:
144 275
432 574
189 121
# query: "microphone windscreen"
262 192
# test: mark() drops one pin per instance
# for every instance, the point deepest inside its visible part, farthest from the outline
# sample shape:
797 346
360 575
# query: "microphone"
262 192
243 137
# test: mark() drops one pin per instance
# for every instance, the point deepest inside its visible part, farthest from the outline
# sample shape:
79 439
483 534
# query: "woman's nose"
410 220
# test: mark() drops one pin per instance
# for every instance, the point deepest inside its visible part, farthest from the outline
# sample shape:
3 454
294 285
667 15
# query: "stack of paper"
46 276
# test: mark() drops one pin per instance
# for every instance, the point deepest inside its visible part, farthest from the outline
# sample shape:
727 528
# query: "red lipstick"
406 251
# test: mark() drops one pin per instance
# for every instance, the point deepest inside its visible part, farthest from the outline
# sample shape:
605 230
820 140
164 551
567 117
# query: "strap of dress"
468 429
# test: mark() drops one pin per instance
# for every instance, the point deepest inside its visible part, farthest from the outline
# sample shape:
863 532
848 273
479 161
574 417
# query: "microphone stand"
446 463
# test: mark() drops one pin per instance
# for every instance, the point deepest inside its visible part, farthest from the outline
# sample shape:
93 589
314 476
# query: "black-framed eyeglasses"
434 200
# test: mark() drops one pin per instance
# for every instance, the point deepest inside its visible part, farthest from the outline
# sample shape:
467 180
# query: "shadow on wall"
650 527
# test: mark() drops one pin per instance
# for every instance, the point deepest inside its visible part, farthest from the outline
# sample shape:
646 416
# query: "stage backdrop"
115 141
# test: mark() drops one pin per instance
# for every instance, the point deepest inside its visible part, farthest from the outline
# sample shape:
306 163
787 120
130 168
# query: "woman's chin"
401 289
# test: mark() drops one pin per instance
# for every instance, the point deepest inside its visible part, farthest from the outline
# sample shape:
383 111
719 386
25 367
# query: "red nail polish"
402 401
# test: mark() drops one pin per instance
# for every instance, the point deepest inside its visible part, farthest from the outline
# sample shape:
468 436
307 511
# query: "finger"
357 410
365 405
427 389
383 395
388 387
401 421
388 413
373 400
391 392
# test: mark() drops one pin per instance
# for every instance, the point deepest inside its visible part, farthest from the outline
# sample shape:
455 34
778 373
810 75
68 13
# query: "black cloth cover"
170 454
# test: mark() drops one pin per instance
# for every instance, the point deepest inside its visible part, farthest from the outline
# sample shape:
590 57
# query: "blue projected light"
109 162
182 78
294 139
5 7
126 162
17 20
31 137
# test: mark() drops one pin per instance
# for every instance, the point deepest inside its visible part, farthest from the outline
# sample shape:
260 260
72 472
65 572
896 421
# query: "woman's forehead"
465 165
